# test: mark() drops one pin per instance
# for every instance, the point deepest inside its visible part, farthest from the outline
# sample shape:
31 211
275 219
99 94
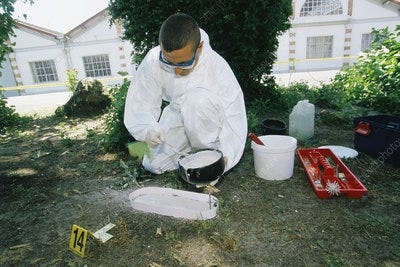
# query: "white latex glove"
154 136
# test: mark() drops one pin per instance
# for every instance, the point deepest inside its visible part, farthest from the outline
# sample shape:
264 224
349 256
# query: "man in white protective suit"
206 107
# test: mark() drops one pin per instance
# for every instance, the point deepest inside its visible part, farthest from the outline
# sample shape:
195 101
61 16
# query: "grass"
54 174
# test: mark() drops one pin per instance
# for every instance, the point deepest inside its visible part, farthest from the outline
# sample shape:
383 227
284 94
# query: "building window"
366 41
321 8
96 66
319 47
44 71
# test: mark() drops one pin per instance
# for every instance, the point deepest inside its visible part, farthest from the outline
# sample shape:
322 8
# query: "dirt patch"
55 174
197 252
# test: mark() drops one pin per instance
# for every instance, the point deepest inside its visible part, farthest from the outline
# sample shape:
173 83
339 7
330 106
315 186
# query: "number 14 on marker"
77 243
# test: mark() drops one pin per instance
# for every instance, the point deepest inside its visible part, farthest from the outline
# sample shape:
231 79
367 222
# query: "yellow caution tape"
312 59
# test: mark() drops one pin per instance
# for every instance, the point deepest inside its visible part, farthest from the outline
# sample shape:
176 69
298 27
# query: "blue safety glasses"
184 65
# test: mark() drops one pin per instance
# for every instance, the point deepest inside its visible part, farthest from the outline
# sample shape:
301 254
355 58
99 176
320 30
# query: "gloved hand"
154 136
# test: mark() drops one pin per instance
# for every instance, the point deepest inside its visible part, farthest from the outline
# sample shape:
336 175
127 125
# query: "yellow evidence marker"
77 243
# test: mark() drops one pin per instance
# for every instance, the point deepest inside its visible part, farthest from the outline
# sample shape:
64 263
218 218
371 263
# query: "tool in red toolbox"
256 140
328 175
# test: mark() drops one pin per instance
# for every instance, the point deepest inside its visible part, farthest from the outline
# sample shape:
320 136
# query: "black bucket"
202 174
273 127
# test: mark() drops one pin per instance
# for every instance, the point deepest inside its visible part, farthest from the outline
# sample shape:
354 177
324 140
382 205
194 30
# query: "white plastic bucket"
275 160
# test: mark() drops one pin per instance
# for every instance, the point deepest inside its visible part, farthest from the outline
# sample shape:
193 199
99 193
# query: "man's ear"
200 45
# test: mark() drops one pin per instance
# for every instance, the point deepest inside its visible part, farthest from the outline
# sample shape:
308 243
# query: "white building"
41 56
325 34
328 34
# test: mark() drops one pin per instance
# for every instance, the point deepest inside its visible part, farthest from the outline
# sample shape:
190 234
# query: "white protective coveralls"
206 109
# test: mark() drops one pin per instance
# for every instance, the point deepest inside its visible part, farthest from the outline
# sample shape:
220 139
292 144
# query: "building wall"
97 30
7 78
99 38
372 9
347 29
94 37
29 39
31 47
302 33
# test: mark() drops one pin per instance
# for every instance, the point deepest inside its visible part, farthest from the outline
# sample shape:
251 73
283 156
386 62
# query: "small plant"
205 224
132 175
255 111
64 139
329 96
67 142
253 121
228 240
90 133
289 96
170 236
72 79
116 135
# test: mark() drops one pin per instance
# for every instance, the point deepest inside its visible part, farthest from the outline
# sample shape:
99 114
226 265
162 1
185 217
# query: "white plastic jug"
301 120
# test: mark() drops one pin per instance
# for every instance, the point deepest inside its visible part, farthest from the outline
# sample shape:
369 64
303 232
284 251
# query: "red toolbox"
378 136
328 174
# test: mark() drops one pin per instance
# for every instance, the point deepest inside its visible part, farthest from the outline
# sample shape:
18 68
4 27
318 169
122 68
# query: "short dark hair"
177 31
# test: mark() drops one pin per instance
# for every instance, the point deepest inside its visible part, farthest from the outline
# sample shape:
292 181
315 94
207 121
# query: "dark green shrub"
324 95
289 96
7 25
373 80
8 117
328 96
243 32
116 135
